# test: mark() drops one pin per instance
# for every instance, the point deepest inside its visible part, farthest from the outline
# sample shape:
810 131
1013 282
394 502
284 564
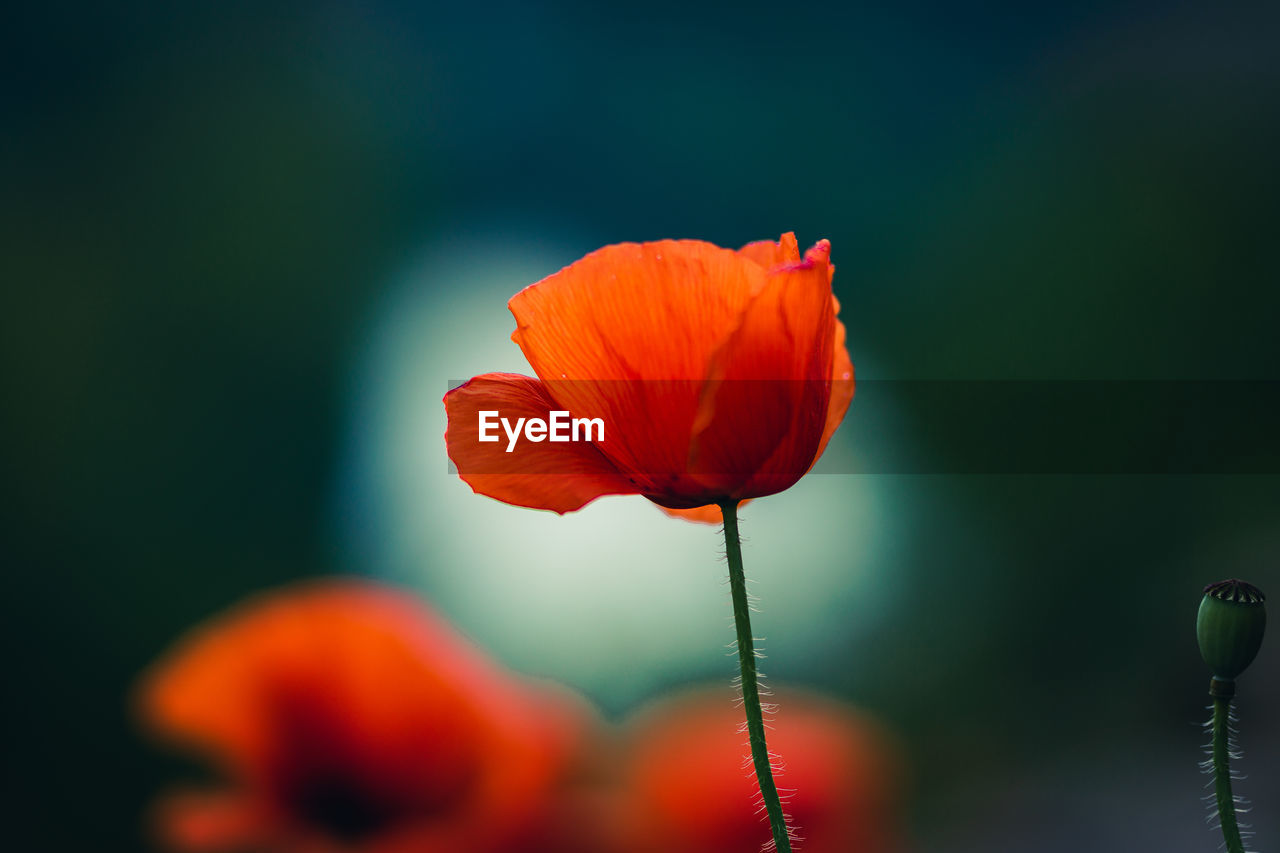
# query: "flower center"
340 806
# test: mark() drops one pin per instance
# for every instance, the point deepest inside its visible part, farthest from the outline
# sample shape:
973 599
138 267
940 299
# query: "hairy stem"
1222 774
750 684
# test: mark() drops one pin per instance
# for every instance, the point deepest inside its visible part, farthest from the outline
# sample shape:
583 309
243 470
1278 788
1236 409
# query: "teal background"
204 206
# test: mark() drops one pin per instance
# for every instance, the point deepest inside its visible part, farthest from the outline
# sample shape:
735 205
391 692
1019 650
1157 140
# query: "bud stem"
1222 774
750 686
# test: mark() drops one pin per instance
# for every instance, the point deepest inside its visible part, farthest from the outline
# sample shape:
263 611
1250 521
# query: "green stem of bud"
750 685
1222 770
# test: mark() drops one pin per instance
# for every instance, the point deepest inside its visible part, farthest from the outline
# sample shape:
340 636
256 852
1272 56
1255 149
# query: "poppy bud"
1229 626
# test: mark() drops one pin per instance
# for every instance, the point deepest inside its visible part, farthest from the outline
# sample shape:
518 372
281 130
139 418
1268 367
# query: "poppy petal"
561 476
842 384
842 387
764 407
627 334
709 514
635 311
769 254
198 821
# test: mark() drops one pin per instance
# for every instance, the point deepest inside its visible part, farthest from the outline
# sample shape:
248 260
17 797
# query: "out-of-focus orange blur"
344 715
350 716
688 785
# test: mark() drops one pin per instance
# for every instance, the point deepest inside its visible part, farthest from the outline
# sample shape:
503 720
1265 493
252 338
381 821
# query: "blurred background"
247 246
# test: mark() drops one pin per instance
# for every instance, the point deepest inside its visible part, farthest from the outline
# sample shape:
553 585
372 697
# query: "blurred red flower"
347 716
717 374
688 787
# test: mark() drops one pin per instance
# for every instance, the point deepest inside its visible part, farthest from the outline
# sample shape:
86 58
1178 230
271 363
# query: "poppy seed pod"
1229 626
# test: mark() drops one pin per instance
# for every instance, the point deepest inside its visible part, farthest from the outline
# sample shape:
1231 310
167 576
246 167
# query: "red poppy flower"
349 717
715 375
688 787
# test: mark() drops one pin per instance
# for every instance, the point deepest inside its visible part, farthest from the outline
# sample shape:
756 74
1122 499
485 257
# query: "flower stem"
750 683
1222 766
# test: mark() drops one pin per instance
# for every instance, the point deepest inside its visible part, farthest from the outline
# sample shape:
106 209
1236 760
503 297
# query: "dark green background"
196 201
